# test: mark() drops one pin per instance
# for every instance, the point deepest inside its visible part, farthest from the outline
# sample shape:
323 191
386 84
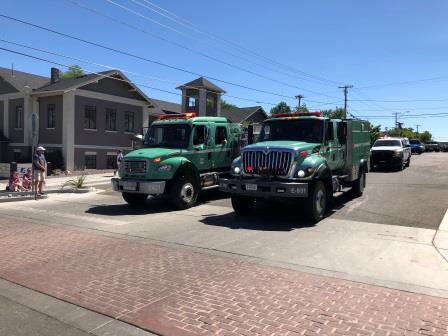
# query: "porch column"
68 130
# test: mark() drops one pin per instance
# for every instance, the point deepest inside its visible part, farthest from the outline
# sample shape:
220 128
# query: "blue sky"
389 50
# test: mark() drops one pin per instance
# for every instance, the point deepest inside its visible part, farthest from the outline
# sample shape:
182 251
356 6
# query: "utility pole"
345 88
396 119
299 98
417 126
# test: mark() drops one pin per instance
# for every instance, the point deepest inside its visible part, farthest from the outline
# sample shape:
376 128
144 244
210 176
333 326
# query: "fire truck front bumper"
138 186
265 189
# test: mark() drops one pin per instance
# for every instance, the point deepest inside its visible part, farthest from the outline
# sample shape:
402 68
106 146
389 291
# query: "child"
27 179
14 182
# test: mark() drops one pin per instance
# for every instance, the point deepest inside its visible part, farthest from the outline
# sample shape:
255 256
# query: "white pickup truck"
390 152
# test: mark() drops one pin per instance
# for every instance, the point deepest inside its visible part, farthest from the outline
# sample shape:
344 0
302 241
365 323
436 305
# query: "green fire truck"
302 158
182 154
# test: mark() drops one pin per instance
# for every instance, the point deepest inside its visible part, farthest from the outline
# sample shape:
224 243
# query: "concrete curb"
30 196
70 314
440 240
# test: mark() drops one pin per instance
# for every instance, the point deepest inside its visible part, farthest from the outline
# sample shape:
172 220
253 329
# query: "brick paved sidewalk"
178 292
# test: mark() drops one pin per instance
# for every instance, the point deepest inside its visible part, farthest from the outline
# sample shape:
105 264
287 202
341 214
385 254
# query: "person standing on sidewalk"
119 160
40 169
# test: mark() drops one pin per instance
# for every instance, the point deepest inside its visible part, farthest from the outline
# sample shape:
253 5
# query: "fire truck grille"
266 163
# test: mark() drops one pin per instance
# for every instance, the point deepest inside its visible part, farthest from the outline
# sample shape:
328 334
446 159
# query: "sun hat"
40 148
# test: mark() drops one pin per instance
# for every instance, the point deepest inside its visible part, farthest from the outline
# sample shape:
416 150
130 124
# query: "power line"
177 19
214 58
145 58
112 68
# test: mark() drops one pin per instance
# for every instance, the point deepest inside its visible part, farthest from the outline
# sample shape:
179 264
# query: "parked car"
417 146
432 146
390 153
443 146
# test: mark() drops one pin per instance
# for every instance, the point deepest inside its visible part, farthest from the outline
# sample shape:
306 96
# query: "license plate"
300 191
131 186
251 187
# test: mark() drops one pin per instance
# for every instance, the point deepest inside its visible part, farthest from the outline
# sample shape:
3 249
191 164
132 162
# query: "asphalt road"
415 197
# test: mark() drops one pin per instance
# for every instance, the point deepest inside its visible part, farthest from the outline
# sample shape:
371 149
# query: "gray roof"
166 106
240 114
202 83
68 83
23 80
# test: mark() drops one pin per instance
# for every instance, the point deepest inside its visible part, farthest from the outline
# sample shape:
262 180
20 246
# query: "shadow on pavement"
159 204
267 216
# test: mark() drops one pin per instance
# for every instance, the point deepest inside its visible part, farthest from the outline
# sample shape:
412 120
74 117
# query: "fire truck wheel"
359 185
243 205
134 199
316 205
184 192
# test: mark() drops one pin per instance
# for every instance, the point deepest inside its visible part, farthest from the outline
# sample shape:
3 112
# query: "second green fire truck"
301 158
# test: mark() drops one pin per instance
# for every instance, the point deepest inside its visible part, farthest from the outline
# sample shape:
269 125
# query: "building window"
90 117
17 155
51 116
111 161
90 161
111 119
193 101
129 121
210 102
19 117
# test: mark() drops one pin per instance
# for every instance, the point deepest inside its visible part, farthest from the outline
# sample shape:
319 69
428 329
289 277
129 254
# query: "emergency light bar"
177 116
297 114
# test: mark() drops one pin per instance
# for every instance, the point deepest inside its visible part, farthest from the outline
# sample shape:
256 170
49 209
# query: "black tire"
359 185
316 204
134 199
401 166
408 162
184 192
372 166
243 205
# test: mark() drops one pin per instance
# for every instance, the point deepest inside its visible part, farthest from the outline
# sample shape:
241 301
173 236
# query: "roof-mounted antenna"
12 70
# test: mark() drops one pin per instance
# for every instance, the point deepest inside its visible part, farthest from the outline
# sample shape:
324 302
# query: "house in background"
159 107
202 97
88 118
245 115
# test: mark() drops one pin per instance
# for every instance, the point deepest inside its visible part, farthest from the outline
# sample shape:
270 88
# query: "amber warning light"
297 114
178 116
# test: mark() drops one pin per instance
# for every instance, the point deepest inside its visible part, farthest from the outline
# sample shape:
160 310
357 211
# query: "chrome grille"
135 166
266 163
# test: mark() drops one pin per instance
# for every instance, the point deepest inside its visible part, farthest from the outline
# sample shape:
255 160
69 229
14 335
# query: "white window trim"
90 153
91 129
110 131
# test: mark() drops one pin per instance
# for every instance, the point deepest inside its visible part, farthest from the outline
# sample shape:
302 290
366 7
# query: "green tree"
281 107
375 132
302 108
226 105
337 113
73 71
425 136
